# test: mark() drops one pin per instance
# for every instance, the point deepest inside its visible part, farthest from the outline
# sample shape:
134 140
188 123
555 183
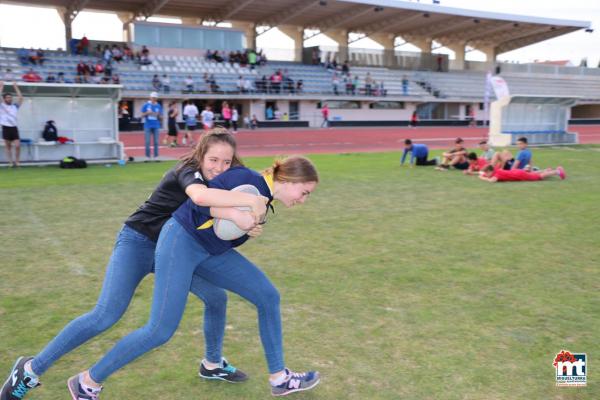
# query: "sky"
18 27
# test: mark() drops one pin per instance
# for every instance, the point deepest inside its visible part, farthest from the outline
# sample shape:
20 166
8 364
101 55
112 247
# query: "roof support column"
127 21
67 18
458 48
388 42
490 52
341 37
296 33
249 30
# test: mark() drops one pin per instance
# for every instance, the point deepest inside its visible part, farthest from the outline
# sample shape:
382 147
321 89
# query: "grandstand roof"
409 20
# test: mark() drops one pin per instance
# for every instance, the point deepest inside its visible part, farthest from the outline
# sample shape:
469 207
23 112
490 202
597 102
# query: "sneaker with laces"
296 382
82 392
226 372
19 382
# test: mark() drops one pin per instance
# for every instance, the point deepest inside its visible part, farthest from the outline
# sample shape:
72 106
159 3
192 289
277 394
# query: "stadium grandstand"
204 61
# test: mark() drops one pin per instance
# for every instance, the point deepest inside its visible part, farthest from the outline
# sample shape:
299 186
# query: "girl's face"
291 194
217 160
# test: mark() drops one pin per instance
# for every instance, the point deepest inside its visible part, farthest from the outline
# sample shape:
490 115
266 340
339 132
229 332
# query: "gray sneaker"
78 392
296 382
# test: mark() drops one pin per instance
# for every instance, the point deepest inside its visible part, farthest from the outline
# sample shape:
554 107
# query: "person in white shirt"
190 115
234 117
248 86
8 120
189 83
240 85
208 118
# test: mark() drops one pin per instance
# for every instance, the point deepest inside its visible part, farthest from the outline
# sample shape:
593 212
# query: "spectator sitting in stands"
81 68
213 84
382 90
60 77
253 122
240 85
116 80
269 113
243 58
348 85
156 83
335 82
144 56
261 58
99 67
166 83
117 54
276 80
405 85
32 56
299 86
277 114
261 85
91 68
50 78
23 55
31 76
288 84
368 84
40 57
208 55
105 80
8 75
346 68
189 84
98 51
285 117
108 69
107 54
355 84
127 53
248 86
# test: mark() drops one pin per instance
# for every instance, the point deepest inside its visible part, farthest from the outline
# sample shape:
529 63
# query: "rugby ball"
228 230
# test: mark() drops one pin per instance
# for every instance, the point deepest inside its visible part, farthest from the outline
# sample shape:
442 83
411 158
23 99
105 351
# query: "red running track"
267 142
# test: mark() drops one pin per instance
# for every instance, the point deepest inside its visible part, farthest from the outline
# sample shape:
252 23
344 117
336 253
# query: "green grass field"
396 283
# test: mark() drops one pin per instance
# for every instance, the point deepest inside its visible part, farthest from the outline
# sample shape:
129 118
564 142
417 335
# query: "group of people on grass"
490 166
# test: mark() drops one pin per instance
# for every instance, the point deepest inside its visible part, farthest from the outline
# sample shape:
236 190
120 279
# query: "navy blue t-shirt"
196 219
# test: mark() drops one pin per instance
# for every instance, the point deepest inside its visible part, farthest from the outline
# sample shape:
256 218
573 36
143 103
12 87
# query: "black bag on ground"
72 162
50 132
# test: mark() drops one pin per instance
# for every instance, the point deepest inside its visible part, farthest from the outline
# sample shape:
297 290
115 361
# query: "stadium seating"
454 85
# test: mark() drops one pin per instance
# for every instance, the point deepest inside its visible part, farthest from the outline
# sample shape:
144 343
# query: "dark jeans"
422 161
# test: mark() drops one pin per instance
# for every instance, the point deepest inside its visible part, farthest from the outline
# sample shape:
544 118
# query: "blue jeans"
154 133
132 259
178 256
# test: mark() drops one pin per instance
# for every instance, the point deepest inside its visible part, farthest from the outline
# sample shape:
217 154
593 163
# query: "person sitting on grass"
492 175
418 151
476 164
487 151
506 160
457 157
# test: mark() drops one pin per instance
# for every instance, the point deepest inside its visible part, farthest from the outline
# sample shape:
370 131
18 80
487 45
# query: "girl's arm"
243 219
491 180
205 197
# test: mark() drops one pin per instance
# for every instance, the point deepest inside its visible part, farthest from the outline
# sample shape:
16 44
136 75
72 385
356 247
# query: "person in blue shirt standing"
152 113
188 245
420 152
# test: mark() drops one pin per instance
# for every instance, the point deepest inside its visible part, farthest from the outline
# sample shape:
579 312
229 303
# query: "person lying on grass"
493 175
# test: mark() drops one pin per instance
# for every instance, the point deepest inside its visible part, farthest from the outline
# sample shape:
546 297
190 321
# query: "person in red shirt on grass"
475 164
492 175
